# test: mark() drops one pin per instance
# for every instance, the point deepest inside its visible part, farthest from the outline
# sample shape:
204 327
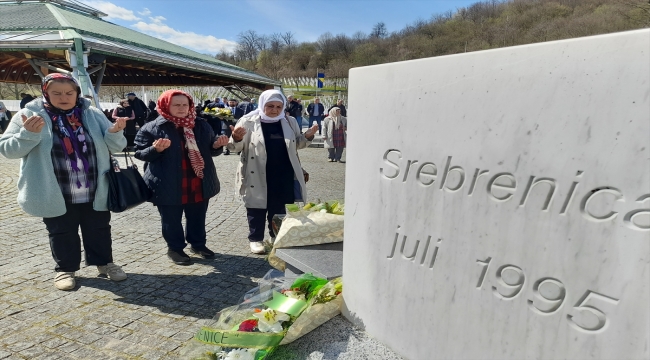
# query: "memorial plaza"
161 305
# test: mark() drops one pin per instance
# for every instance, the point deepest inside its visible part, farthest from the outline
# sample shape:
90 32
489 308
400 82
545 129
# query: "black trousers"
140 120
257 217
215 124
171 217
64 237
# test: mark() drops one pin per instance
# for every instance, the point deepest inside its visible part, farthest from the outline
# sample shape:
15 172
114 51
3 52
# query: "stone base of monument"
324 260
506 215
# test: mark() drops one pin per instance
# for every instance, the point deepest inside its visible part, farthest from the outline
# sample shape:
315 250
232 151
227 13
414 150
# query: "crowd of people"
62 179
332 126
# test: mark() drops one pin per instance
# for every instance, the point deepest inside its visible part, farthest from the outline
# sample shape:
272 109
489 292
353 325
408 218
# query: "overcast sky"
209 26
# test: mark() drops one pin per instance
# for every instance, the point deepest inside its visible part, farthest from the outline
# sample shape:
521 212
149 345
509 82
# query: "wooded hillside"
483 25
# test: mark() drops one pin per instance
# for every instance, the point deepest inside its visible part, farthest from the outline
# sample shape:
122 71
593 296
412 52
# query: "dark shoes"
179 257
203 252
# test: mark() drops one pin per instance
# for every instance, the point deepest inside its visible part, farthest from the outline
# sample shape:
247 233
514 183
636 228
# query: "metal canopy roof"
39 32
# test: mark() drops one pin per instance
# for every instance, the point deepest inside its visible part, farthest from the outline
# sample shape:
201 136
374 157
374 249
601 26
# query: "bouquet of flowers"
313 224
255 327
221 113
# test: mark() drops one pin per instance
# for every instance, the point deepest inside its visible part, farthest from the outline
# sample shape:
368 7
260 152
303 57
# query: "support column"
78 60
100 78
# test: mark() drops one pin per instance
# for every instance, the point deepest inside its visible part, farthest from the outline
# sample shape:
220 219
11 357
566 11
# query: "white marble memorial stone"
498 202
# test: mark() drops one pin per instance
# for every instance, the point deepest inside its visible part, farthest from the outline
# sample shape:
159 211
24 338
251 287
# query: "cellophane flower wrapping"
221 113
306 227
257 325
325 305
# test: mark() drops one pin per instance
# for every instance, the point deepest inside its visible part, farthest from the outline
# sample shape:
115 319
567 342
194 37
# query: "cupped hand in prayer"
161 144
237 133
119 125
33 123
311 131
221 142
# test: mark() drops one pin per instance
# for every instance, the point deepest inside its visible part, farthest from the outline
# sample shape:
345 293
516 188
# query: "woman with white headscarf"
334 129
269 165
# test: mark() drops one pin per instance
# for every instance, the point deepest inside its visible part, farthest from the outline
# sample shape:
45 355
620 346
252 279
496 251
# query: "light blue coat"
39 193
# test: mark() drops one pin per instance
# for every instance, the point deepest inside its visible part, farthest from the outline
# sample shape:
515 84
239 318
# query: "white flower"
241 354
270 320
294 295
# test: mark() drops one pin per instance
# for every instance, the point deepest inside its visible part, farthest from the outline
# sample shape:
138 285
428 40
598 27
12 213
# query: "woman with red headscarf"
64 145
178 148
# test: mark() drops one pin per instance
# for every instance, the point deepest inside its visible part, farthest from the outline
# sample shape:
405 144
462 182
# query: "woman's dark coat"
163 172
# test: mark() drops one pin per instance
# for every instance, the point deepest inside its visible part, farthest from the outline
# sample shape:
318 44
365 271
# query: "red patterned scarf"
187 123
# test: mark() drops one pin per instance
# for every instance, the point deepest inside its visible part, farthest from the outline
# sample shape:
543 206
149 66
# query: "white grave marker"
498 202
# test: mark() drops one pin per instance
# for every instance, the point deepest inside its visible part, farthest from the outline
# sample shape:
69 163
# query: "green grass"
308 93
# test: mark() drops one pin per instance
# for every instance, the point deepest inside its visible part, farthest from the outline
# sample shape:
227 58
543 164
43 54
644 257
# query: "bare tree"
343 46
12 91
276 43
379 31
359 37
247 45
289 39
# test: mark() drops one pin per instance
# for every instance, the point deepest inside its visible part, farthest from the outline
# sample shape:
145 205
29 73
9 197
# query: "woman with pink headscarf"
178 148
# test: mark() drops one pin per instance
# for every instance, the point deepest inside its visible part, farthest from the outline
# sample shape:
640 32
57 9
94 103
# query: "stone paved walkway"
160 305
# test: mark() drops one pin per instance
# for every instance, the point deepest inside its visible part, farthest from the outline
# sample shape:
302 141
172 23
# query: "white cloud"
157 28
113 11
200 43
158 19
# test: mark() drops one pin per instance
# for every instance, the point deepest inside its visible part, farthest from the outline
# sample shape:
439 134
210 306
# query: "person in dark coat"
316 112
237 113
177 149
123 110
141 110
25 99
214 121
215 104
246 106
153 114
339 104
5 117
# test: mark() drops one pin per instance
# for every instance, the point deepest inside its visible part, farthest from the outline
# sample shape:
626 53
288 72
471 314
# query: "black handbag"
127 188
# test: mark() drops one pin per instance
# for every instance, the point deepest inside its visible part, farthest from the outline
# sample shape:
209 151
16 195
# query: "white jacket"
328 131
250 180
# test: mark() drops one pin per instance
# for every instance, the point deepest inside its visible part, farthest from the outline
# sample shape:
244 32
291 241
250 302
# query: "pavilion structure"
42 36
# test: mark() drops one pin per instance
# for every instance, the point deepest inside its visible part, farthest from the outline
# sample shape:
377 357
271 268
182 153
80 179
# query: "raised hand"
161 144
237 133
312 130
221 142
33 123
119 125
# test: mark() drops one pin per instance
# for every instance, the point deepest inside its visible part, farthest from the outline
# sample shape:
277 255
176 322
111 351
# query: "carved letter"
415 251
408 168
629 217
477 174
584 204
421 172
531 185
426 249
435 254
392 252
509 188
445 175
569 197
391 164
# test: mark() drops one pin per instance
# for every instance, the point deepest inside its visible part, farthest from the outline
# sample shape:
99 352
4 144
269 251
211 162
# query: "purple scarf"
67 125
